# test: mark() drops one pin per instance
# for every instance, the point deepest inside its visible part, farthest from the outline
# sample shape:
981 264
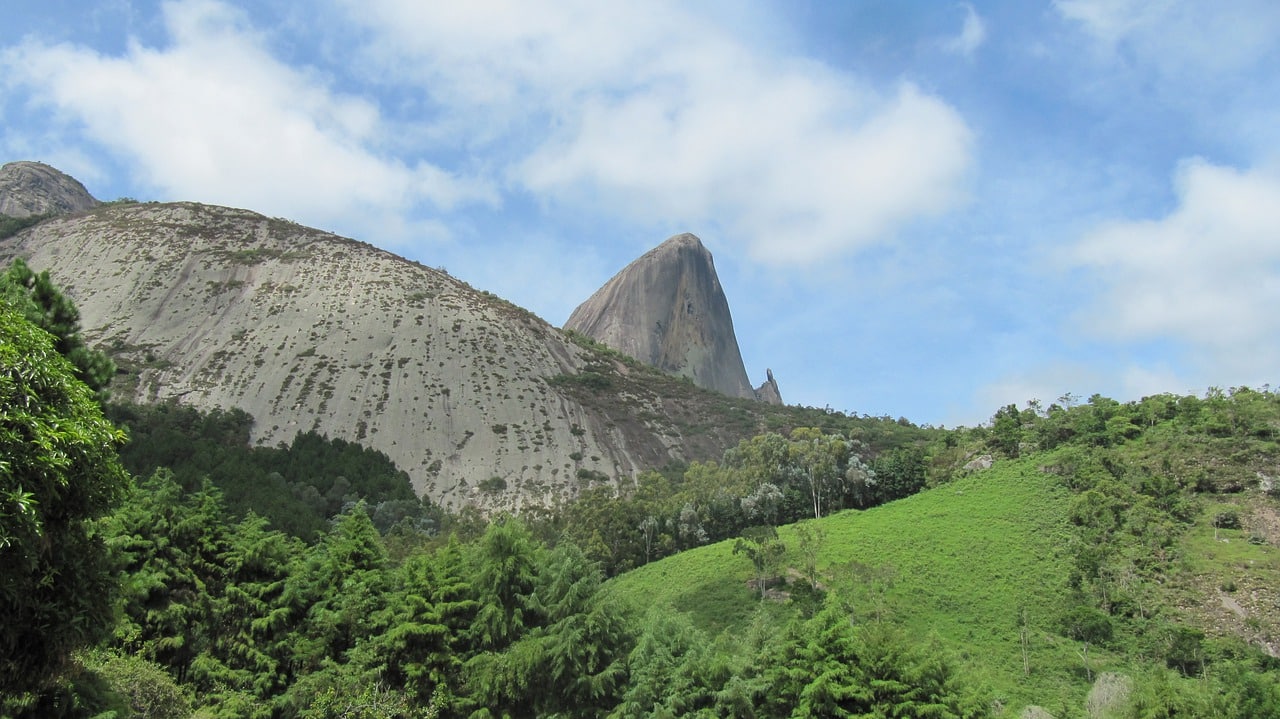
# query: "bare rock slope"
667 309
481 402
34 188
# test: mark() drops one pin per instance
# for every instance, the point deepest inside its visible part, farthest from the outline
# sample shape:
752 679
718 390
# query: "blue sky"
919 209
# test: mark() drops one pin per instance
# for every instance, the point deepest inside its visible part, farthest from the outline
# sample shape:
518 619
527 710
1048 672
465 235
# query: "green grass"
954 563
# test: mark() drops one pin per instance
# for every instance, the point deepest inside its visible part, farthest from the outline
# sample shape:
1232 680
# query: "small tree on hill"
1087 626
765 550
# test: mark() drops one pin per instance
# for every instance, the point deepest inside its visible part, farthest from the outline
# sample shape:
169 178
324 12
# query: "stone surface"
34 188
769 392
667 309
304 330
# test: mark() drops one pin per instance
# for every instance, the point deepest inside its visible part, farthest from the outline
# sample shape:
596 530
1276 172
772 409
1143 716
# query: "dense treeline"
248 621
296 487
767 480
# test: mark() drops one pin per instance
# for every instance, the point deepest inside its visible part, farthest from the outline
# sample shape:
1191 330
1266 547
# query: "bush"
149 690
1230 519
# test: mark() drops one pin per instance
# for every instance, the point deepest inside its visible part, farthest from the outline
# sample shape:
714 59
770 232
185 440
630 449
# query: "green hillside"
956 563
1155 539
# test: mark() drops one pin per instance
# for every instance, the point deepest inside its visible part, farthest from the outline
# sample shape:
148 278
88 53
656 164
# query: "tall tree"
58 473
821 460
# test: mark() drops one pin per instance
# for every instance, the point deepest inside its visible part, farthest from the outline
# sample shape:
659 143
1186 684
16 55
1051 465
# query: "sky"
917 209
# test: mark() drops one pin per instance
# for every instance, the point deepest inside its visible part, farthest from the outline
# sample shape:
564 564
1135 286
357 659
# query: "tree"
58 472
48 308
811 538
765 550
506 566
1006 430
1087 626
820 459
420 637
167 541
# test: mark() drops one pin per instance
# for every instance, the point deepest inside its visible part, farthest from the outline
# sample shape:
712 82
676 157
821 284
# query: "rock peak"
34 188
684 239
667 309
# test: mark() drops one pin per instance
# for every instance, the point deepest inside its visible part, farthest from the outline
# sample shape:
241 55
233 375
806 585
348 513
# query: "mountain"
667 309
478 400
34 188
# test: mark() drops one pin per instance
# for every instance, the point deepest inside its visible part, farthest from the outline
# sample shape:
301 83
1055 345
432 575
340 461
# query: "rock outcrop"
667 309
769 392
34 188
307 331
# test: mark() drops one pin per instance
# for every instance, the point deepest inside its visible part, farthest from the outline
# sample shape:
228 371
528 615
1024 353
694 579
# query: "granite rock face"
307 331
34 188
667 309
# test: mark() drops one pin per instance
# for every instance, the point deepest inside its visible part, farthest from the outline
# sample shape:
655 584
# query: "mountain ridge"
479 401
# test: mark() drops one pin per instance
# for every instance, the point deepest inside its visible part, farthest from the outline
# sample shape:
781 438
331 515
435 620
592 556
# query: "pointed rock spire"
667 309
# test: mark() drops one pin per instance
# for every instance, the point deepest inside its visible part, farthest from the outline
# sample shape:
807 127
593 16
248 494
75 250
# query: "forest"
153 563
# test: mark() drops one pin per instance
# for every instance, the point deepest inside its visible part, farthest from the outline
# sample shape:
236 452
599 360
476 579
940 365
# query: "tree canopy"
58 472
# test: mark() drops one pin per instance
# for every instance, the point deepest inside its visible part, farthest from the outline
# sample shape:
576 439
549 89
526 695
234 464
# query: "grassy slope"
962 559
1229 585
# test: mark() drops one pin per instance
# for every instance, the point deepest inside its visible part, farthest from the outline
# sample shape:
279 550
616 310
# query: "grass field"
953 564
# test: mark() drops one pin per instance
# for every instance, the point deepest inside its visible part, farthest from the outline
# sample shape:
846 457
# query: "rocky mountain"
667 309
480 401
34 188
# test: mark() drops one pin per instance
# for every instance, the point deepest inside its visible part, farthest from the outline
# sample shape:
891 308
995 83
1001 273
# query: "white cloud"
1207 274
972 34
1108 20
1051 383
650 112
1182 37
213 116
1048 384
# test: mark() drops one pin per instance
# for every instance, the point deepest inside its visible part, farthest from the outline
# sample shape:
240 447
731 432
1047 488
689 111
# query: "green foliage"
297 487
144 687
837 669
951 561
58 473
10 226
769 479
49 309
167 542
761 546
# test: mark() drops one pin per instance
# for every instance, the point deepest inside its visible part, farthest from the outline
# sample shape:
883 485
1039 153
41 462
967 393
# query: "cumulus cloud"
1207 274
650 112
214 116
972 34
